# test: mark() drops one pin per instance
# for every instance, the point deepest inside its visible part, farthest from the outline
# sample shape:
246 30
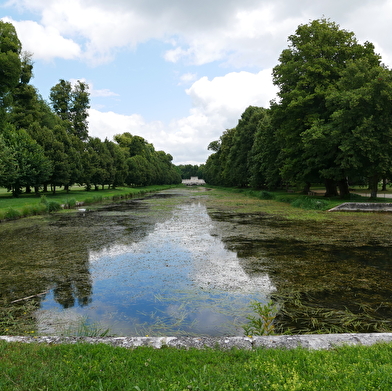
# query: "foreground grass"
30 204
101 367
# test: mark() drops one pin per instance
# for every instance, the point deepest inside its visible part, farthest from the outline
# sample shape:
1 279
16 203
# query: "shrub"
70 203
12 214
266 195
53 206
310 203
284 198
44 200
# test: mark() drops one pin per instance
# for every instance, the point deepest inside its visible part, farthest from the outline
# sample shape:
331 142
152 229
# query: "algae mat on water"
332 272
328 272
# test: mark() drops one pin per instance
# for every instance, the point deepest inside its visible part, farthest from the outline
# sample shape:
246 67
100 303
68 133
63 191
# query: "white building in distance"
194 181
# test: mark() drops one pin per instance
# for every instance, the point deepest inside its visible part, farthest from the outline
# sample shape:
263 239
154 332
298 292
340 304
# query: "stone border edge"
311 341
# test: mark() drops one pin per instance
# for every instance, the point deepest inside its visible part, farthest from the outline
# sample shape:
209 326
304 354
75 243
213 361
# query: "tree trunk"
343 188
384 184
373 186
330 188
28 190
306 189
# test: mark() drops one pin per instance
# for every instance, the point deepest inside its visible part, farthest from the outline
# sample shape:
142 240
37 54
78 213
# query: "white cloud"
246 33
38 39
94 93
187 78
217 105
231 94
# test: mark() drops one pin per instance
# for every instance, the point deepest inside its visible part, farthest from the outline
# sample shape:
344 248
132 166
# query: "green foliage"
310 203
266 195
12 214
53 206
17 318
300 313
43 199
332 120
70 203
263 322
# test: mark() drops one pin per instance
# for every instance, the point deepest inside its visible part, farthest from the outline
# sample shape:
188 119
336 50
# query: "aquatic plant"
85 329
263 322
302 313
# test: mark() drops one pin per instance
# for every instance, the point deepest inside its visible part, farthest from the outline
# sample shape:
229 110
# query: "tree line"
331 122
46 144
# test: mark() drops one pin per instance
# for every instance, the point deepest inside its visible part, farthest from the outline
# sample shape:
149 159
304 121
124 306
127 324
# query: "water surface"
135 270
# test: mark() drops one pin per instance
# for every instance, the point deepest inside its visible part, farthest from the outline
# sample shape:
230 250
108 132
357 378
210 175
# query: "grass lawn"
101 367
31 204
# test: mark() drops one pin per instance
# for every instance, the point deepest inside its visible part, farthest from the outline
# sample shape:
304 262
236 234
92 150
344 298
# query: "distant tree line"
331 122
47 144
189 170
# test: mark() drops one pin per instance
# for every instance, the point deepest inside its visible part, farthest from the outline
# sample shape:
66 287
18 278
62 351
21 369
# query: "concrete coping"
363 207
310 341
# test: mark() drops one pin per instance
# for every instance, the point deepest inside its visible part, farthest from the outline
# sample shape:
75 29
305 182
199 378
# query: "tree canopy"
44 145
331 122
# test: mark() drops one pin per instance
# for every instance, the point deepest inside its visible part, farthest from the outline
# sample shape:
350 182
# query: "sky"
176 72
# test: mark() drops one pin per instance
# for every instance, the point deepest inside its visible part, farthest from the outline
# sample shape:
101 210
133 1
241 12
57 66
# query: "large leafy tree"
71 104
26 161
264 163
10 65
317 56
237 169
361 123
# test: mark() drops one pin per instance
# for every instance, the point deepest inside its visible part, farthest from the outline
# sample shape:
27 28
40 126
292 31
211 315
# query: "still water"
153 266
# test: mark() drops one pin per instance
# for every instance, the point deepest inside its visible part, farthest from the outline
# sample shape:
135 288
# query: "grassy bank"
101 367
30 204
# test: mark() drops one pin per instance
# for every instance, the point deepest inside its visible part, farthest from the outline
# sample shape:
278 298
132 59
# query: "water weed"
262 323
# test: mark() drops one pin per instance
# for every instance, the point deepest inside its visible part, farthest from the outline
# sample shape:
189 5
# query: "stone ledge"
311 341
363 207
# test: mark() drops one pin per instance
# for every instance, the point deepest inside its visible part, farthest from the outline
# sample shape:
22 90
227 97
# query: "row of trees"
331 123
47 144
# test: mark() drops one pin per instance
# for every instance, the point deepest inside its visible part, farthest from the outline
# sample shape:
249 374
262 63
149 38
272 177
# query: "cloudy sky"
176 72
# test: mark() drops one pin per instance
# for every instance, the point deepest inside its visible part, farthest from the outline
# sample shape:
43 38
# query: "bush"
70 203
12 214
284 198
266 195
53 206
310 203
44 200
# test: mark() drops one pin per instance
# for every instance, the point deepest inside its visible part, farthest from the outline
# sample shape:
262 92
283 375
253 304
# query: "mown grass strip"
25 205
102 367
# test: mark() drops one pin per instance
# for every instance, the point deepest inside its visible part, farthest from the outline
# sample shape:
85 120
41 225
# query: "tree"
10 65
27 162
264 163
119 172
79 110
361 123
318 54
237 169
71 104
